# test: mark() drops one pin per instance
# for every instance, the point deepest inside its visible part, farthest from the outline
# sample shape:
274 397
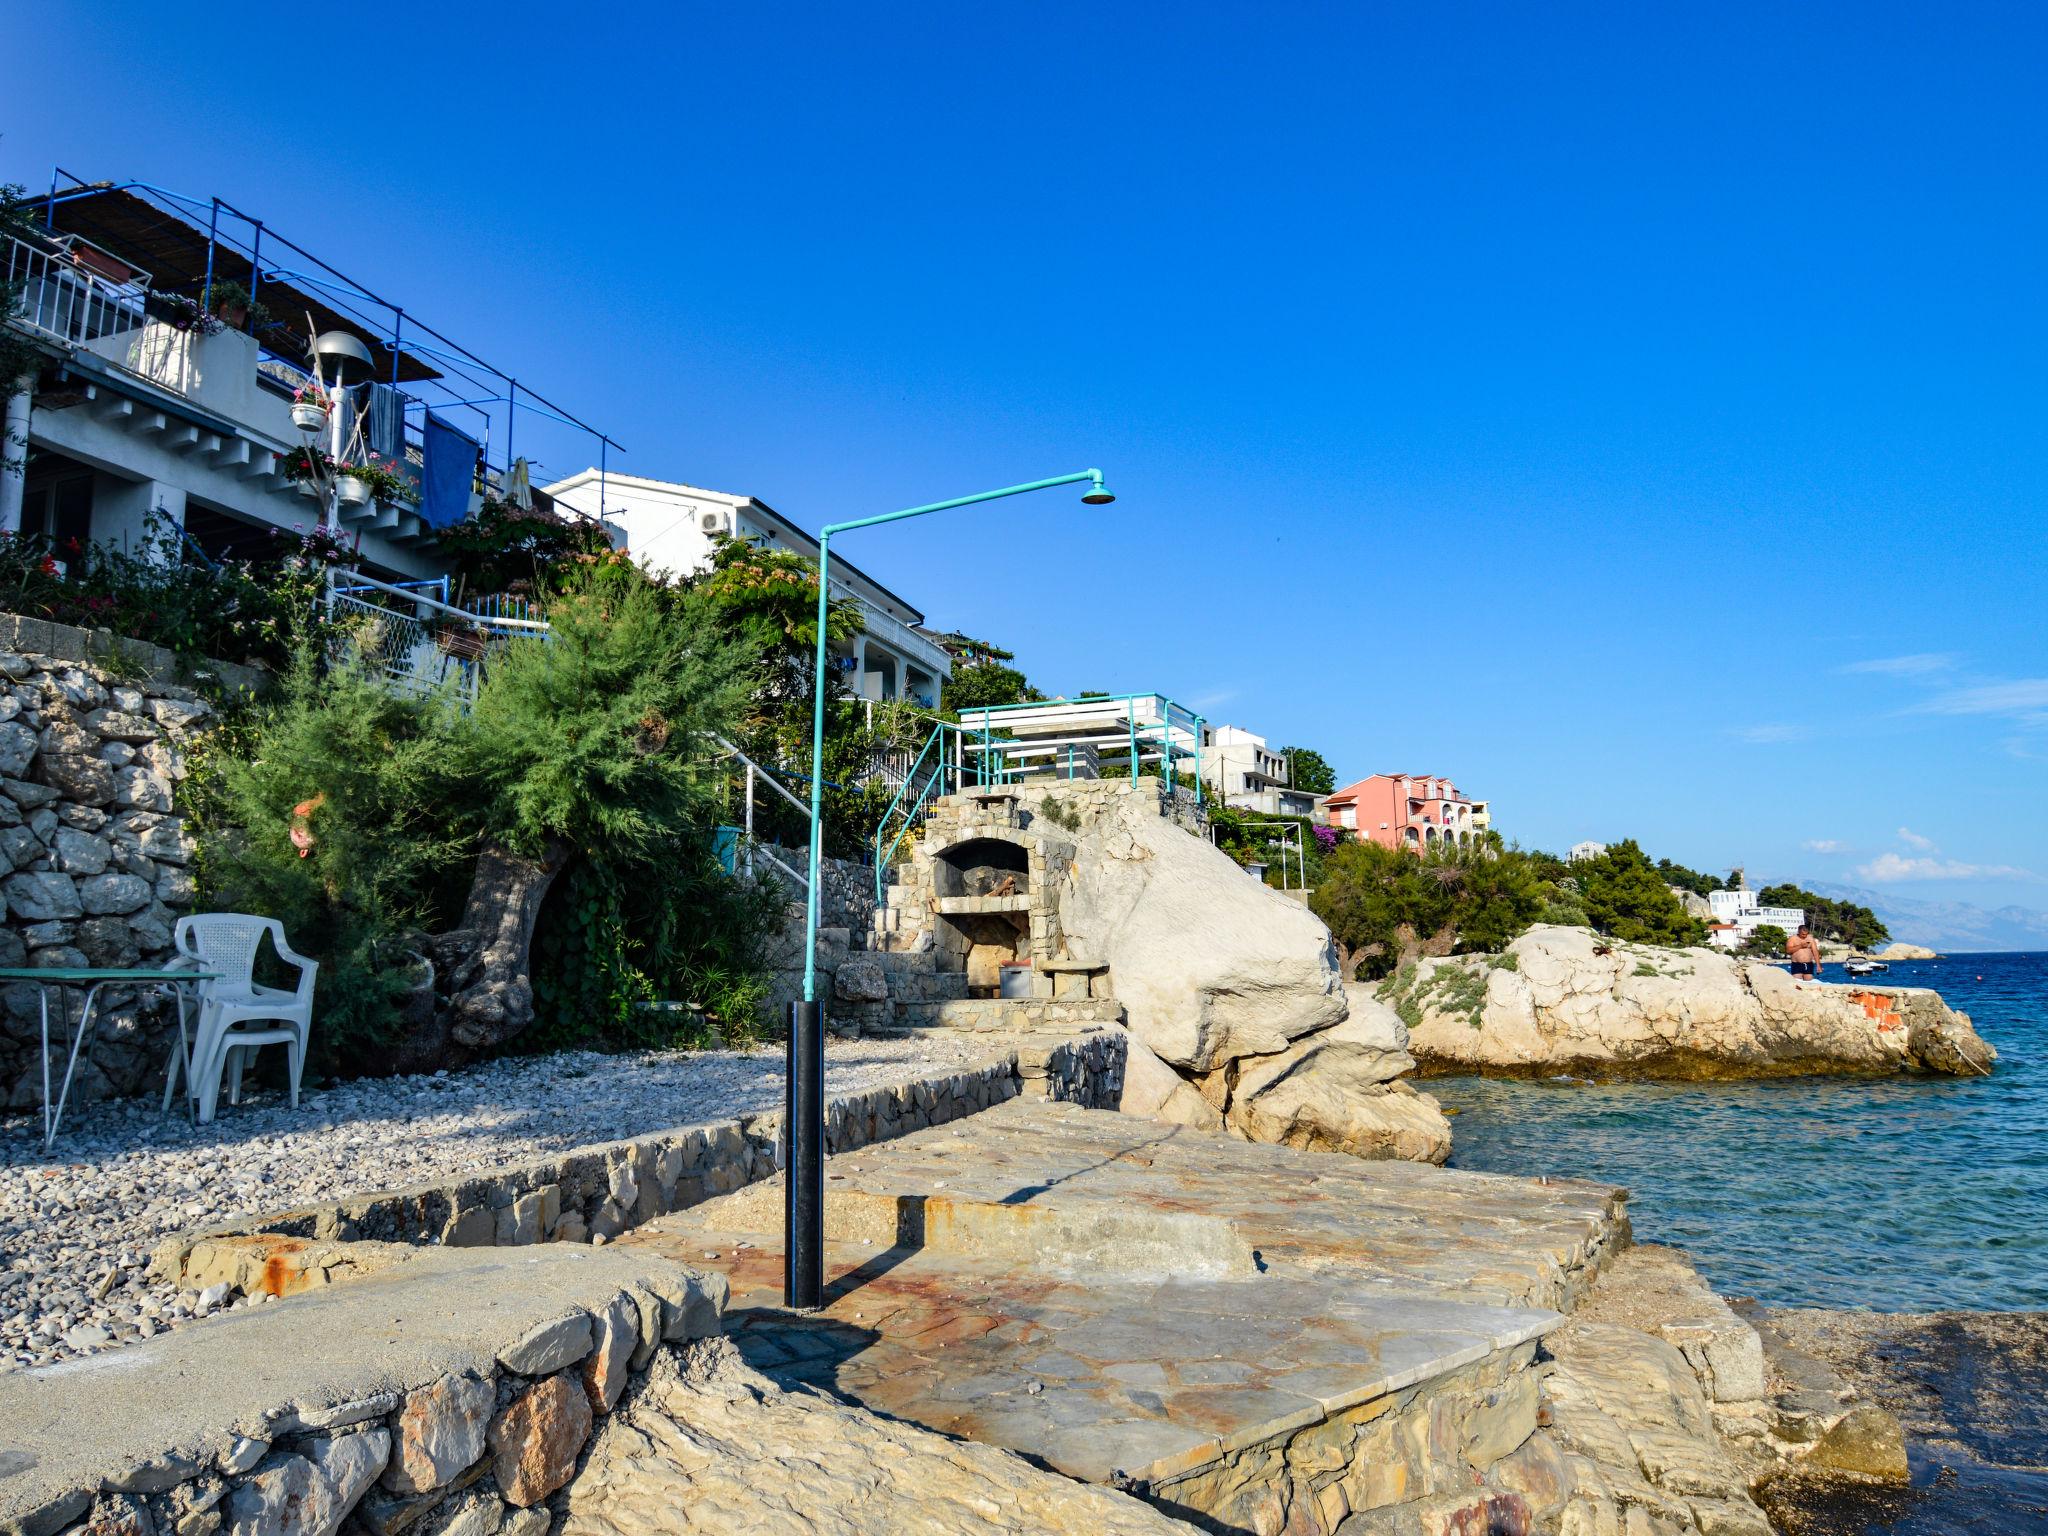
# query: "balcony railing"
66 302
416 641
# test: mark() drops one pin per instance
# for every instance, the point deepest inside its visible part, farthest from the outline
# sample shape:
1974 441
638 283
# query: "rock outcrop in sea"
1565 1000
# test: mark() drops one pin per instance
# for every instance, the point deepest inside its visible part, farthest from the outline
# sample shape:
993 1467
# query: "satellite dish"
342 358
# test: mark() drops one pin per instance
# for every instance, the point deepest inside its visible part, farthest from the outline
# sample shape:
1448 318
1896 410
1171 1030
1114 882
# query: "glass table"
92 978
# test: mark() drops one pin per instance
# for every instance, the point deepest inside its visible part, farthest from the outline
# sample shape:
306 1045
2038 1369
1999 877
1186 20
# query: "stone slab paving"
1131 1379
1063 1282
1408 1226
77 1223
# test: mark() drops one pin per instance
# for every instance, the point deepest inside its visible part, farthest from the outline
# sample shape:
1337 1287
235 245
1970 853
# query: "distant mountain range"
1950 926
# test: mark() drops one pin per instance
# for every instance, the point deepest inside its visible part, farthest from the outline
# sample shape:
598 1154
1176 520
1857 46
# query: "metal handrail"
767 776
67 302
357 579
925 786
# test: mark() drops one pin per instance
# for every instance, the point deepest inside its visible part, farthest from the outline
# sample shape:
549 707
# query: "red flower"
49 566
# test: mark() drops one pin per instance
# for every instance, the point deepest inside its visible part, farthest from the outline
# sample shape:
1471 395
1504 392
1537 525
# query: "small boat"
1864 967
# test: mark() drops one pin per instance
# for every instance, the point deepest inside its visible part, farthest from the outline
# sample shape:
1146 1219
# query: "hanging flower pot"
352 490
307 488
308 417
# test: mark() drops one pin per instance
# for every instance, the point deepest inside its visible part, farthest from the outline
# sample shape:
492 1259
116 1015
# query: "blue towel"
384 429
447 471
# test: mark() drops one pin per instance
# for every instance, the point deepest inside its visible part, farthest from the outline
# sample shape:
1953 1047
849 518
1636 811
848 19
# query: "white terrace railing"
63 299
419 642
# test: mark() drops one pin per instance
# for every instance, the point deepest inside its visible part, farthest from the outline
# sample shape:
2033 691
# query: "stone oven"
981 899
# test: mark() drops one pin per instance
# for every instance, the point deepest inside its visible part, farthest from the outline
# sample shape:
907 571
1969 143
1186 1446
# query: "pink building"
1407 810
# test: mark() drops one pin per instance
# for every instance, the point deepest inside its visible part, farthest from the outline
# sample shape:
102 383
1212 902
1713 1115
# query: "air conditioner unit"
712 522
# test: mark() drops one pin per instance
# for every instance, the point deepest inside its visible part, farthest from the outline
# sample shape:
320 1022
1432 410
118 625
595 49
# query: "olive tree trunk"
482 987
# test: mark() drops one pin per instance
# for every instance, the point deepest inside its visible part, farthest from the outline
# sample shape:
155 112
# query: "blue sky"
1635 414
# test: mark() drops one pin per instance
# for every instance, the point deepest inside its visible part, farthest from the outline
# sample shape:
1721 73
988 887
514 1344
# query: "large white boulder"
1567 1000
1209 963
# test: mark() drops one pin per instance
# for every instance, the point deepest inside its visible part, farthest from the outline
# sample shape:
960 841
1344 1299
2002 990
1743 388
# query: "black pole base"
803 1127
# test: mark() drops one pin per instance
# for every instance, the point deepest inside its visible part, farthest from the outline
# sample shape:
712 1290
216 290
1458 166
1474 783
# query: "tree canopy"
1312 771
1627 896
1841 922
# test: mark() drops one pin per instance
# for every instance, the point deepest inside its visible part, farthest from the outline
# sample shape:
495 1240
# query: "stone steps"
1004 1015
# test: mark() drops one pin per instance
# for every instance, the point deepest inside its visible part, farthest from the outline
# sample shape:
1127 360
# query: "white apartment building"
1244 772
1737 915
1581 852
171 334
670 528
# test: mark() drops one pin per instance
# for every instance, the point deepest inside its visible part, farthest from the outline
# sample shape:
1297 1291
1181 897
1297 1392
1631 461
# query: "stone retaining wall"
465 1419
95 862
595 1193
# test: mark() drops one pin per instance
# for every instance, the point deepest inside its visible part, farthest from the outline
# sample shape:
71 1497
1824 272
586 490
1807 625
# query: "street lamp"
803 1247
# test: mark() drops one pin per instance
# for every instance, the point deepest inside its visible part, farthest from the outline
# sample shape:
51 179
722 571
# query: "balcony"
183 327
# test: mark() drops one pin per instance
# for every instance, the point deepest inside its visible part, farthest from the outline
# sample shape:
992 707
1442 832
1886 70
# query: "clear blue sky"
1594 404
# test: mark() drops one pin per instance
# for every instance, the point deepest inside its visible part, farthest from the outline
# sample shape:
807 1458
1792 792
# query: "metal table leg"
54 1119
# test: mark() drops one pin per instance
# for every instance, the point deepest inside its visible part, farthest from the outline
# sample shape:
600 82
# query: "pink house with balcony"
1408 810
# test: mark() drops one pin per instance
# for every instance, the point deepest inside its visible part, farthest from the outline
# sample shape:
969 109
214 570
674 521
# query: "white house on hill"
669 528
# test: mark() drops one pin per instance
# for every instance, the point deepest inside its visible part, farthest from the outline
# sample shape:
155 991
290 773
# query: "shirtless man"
1803 952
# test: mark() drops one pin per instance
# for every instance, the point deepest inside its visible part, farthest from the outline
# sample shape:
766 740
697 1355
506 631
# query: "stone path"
1146 1306
77 1224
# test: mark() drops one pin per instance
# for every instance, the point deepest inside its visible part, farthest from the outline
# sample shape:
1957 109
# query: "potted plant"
380 479
309 407
352 487
183 314
304 467
465 642
235 306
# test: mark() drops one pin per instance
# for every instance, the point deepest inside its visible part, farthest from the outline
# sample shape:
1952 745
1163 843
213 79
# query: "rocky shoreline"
1970 1392
1565 1001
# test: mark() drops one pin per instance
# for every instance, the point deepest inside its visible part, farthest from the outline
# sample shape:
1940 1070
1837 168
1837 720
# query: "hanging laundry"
447 471
385 427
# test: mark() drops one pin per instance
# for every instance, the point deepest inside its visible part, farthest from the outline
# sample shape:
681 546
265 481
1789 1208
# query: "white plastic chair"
227 942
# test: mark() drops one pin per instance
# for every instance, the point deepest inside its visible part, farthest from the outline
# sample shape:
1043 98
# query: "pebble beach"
77 1224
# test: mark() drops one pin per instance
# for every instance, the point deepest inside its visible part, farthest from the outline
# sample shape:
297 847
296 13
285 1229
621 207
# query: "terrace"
179 333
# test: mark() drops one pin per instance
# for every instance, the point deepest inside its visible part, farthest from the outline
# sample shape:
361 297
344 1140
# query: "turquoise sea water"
1898 1194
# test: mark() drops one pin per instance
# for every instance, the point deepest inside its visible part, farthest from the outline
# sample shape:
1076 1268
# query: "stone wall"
95 862
595 1193
466 1419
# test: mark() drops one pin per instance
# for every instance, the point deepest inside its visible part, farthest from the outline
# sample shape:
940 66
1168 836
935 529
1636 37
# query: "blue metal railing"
929 772
1158 734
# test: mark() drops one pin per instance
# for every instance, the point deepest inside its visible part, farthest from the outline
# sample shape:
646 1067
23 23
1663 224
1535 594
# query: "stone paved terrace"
1142 1305
77 1223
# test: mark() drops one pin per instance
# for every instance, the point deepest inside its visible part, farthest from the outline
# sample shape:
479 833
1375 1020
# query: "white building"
1581 852
152 399
1244 772
670 528
1737 915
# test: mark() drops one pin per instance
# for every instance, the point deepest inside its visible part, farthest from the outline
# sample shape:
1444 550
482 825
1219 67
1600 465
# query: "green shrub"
389 838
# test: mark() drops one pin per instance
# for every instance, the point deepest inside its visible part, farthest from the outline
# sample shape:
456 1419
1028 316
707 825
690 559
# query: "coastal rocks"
1209 965
1154 1091
1566 1000
1899 951
704 1433
1335 1091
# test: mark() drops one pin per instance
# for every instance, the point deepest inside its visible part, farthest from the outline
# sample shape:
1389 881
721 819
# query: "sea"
1902 1194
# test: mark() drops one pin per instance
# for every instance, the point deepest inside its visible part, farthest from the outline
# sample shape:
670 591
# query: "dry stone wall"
95 861
447 1417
